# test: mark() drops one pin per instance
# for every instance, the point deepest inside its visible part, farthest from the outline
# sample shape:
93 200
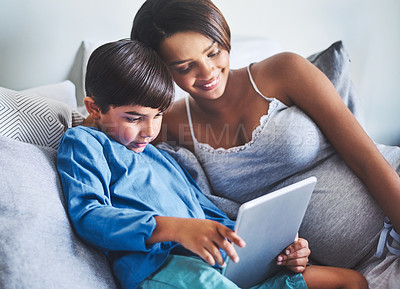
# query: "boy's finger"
234 238
206 256
227 233
229 238
216 254
229 250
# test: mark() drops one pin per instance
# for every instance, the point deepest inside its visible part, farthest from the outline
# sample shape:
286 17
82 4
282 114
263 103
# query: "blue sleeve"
85 177
211 211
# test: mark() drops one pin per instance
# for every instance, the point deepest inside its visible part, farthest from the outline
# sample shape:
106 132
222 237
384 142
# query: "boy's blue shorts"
190 272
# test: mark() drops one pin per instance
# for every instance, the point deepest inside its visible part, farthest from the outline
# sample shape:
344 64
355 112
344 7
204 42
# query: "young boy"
135 202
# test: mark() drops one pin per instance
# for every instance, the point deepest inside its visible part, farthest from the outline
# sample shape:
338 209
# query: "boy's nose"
147 131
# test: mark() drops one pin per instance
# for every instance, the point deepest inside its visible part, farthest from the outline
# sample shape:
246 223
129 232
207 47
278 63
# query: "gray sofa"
38 246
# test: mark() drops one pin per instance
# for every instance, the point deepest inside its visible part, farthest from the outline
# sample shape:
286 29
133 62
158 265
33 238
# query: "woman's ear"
92 107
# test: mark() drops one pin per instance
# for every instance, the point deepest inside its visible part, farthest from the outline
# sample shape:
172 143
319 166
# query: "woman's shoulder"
276 75
281 62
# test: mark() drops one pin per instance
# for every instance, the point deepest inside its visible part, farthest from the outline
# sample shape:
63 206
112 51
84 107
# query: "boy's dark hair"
157 20
127 72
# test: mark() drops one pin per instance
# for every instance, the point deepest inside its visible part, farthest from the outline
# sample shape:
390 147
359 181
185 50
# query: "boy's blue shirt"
113 194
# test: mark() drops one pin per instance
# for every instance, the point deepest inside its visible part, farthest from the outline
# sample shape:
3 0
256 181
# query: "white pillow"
62 91
245 50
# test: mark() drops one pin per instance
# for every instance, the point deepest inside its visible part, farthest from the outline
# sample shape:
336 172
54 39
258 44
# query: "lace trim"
274 104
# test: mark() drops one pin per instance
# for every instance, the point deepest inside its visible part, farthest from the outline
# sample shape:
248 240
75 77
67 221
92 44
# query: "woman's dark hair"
157 20
127 72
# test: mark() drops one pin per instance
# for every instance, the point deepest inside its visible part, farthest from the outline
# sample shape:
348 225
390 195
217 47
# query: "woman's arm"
304 85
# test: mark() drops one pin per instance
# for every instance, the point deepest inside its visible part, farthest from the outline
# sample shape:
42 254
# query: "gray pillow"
38 248
334 62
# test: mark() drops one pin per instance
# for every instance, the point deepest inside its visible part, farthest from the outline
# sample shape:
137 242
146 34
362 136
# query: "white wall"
39 40
370 30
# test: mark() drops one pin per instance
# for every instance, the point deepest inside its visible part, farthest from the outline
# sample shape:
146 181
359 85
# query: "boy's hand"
205 237
295 256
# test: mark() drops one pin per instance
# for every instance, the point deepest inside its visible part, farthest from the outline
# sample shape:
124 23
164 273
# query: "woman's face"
198 65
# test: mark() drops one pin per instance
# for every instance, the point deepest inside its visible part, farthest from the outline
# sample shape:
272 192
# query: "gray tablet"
268 225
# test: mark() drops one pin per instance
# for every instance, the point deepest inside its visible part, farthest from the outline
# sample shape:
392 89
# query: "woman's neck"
229 101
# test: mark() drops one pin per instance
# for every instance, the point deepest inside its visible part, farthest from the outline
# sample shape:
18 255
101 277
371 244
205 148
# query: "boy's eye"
132 119
158 115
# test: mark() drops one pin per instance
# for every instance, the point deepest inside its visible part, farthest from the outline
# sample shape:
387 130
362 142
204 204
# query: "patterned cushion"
33 119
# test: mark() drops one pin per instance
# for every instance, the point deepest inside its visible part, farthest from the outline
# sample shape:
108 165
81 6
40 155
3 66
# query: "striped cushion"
33 119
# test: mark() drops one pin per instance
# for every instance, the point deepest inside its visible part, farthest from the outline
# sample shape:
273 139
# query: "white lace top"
285 141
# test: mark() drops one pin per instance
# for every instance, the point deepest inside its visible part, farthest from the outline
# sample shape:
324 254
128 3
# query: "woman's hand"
295 256
202 237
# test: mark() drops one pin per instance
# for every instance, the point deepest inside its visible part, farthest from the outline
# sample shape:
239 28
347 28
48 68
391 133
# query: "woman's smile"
209 85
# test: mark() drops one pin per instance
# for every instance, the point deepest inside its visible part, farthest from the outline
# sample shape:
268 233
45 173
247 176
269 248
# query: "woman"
270 124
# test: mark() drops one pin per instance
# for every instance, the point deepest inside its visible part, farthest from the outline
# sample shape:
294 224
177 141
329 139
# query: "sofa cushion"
37 116
62 91
334 62
38 247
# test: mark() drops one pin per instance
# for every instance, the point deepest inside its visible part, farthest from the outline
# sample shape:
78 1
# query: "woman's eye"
185 70
214 54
